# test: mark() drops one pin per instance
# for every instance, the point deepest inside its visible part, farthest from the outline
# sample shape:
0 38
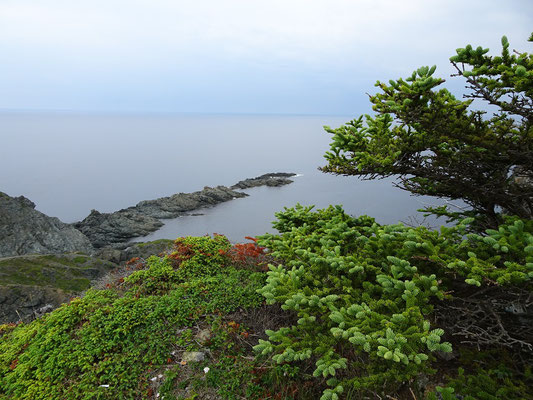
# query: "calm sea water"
69 164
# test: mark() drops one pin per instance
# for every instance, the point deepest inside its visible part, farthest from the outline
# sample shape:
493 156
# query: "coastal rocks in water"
180 203
103 229
114 229
24 230
32 284
274 179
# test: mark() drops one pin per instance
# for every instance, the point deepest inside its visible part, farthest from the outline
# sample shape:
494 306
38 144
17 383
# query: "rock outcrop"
181 203
274 179
114 229
126 252
24 230
103 229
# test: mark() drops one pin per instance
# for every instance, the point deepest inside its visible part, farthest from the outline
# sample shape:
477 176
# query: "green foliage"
362 291
437 145
117 337
69 272
491 375
493 384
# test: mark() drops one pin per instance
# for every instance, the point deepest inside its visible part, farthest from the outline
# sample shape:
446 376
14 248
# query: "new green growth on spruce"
362 291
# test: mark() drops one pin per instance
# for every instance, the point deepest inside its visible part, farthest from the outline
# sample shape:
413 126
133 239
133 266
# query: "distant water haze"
68 164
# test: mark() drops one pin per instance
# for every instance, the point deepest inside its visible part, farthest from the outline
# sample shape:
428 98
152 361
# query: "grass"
156 242
71 273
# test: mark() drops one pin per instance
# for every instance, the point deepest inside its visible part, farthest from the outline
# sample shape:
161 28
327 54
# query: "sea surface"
68 164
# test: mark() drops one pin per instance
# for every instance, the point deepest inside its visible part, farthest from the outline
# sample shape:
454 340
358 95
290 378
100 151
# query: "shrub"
363 291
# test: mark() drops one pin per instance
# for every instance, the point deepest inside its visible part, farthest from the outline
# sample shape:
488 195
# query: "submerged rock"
24 230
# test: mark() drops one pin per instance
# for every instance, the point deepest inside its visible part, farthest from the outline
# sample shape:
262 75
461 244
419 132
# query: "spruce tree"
439 145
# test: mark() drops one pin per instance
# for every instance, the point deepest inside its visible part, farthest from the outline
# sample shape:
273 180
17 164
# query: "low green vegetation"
167 242
110 343
68 272
358 317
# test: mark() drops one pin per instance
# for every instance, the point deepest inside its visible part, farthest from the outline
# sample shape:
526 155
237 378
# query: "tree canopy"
439 145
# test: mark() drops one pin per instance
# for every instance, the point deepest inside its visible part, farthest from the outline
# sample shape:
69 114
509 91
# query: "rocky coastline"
44 261
115 229
24 230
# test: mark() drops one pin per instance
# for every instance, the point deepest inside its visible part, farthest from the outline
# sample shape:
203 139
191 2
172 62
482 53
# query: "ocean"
68 164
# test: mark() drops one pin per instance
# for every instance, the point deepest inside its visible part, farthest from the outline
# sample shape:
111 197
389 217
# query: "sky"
235 56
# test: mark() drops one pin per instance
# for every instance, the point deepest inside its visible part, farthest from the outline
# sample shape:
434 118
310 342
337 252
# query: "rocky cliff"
24 230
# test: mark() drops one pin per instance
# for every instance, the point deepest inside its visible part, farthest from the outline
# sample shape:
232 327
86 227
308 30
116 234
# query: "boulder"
192 356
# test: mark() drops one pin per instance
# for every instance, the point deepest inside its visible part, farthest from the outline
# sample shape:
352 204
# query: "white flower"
104 385
206 370
154 379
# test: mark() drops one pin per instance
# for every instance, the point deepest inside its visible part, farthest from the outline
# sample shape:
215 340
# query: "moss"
80 259
67 272
157 242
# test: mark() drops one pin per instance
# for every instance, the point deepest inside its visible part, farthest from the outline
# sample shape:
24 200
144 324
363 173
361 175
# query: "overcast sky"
238 56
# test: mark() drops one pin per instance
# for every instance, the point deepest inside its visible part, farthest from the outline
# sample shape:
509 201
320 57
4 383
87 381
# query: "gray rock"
22 302
274 179
103 229
203 336
181 203
193 356
110 254
145 250
24 230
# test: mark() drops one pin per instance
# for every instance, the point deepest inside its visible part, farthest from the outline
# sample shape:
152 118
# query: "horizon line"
155 112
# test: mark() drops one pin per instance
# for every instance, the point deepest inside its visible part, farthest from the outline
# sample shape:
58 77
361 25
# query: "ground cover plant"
111 342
